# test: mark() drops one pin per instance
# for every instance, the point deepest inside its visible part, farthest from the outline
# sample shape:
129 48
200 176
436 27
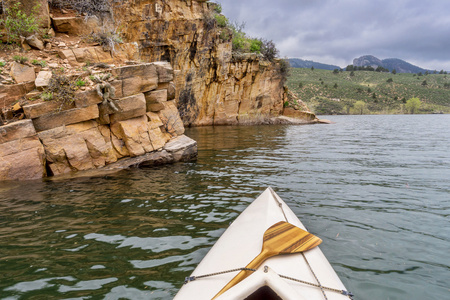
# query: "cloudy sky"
337 31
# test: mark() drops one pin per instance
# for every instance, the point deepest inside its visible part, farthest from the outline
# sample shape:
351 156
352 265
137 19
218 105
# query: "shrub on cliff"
284 68
61 88
18 23
221 20
97 8
241 43
268 49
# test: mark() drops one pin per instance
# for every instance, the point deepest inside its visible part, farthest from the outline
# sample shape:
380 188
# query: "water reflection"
379 202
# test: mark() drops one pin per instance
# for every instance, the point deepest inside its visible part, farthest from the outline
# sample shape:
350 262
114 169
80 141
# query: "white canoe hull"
242 242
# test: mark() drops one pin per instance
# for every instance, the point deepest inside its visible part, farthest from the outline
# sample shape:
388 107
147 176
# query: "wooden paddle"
280 238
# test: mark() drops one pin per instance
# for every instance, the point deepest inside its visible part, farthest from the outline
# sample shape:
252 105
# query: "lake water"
376 189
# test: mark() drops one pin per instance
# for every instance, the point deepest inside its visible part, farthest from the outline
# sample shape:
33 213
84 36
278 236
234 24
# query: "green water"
376 189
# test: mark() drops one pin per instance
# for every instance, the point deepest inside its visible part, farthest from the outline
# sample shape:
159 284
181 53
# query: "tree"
268 49
412 105
424 83
359 106
389 80
312 68
352 73
394 71
336 71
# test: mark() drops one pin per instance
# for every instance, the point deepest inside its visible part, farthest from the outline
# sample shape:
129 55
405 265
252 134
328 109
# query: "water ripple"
374 188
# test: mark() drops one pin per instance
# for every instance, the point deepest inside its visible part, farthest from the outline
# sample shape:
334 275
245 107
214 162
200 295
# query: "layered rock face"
88 134
190 77
213 87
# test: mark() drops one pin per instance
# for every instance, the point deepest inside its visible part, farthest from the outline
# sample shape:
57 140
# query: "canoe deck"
242 242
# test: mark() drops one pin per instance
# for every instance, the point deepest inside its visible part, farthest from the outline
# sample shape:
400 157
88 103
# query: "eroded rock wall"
213 87
88 134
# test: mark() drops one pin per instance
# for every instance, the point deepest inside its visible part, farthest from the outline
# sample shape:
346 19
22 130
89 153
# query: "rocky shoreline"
133 99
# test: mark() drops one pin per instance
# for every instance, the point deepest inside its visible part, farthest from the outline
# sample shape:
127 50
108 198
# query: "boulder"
137 78
33 111
147 160
87 98
34 42
134 132
83 55
157 137
76 147
65 117
42 79
76 25
69 55
171 91
22 159
17 130
165 71
11 93
297 114
155 100
22 73
171 119
182 148
130 107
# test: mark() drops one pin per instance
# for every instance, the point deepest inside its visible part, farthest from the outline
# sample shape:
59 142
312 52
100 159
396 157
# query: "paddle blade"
280 238
285 238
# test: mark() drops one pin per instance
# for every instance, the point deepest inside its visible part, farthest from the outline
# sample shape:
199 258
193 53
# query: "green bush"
255 45
221 20
239 41
218 8
18 23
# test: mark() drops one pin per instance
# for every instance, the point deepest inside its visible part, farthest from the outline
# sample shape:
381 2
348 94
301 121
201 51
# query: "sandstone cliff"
172 69
213 86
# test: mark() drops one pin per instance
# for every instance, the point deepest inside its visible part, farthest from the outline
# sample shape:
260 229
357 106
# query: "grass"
41 63
326 92
20 59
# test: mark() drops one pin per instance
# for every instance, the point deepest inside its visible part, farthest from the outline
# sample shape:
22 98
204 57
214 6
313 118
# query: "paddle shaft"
254 264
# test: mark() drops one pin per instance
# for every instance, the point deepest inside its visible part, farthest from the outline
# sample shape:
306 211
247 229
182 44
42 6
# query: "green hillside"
333 92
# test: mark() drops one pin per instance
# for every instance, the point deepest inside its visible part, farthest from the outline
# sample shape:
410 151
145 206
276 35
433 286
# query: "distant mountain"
300 63
399 65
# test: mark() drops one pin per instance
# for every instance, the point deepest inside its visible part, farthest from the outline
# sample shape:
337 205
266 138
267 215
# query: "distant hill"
328 92
399 65
300 63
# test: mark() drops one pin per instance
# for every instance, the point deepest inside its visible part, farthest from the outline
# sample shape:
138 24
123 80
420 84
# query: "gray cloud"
336 31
